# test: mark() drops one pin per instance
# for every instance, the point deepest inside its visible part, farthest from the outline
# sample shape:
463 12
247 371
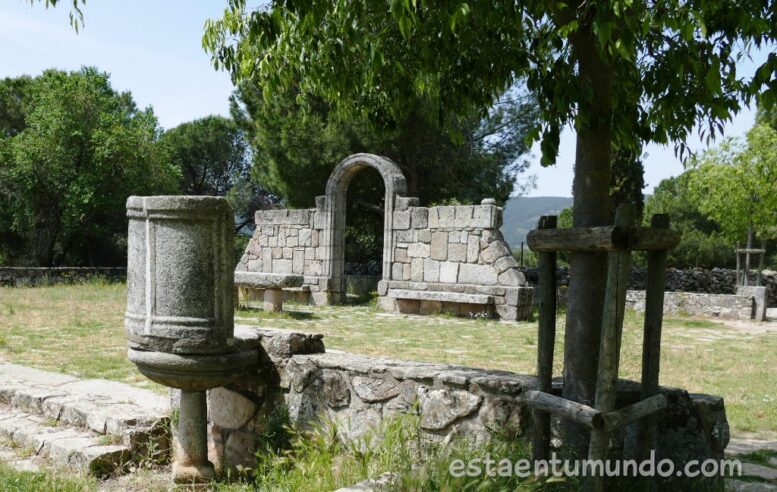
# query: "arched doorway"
334 230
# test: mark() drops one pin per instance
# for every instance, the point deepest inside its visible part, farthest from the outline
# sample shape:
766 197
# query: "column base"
273 300
193 473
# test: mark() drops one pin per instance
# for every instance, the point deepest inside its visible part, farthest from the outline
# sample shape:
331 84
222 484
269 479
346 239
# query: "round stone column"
180 274
180 310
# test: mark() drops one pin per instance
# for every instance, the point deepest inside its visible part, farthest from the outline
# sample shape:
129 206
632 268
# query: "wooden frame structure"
618 241
743 274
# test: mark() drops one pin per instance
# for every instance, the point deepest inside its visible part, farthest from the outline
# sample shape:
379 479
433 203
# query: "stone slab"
426 295
61 446
131 415
261 280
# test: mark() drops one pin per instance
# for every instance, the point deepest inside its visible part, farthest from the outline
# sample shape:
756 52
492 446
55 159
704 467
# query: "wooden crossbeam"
567 409
652 239
591 417
632 413
605 238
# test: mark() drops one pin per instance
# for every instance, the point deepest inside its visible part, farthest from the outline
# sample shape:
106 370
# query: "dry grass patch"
74 329
79 330
699 355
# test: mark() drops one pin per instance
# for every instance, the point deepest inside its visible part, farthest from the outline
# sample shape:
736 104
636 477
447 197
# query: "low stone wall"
698 304
714 281
693 280
288 242
456 249
458 402
38 276
450 249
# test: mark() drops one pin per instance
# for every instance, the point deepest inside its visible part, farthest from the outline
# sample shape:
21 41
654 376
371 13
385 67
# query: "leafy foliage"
76 14
702 243
212 156
674 62
210 152
297 140
15 98
736 184
66 174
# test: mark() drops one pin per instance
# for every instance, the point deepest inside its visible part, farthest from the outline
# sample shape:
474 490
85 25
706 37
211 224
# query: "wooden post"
747 256
546 340
738 280
651 342
761 263
618 269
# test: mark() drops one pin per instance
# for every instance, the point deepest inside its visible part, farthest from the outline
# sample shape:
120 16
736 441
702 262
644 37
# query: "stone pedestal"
179 274
759 295
191 459
180 311
273 300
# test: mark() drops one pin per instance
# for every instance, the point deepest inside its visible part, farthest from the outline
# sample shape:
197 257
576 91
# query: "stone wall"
358 392
714 281
35 276
457 252
456 249
697 304
288 242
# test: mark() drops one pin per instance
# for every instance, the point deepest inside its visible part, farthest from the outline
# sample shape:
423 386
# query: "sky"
153 49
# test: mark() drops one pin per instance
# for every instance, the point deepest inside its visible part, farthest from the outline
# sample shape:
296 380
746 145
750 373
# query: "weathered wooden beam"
567 409
652 239
606 238
641 409
618 269
546 340
754 251
651 341
761 264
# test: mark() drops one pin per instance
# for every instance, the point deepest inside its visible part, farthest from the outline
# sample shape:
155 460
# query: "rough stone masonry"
357 392
435 259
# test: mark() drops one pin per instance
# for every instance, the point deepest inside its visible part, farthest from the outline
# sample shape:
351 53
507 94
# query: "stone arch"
334 230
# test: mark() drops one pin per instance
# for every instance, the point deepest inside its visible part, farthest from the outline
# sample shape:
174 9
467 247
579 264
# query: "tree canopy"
214 159
736 184
623 73
702 243
675 62
69 164
295 149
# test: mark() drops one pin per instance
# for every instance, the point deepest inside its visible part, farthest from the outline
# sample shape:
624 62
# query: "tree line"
72 149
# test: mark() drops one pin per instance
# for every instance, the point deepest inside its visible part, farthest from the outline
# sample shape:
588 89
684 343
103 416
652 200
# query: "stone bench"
272 284
433 301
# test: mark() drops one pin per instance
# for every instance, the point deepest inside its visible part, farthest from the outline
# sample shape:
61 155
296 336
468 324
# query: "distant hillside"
522 213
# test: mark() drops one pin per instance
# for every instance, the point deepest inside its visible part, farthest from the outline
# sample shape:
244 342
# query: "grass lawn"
79 330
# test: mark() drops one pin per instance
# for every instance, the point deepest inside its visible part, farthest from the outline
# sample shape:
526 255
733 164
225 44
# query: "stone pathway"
759 464
94 426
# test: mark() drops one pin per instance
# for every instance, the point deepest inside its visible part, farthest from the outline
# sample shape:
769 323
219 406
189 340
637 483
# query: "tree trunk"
591 207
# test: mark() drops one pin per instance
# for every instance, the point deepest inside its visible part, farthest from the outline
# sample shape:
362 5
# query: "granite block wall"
456 249
298 377
697 304
287 242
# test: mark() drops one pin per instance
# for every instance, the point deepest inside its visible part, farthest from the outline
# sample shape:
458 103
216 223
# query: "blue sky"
153 49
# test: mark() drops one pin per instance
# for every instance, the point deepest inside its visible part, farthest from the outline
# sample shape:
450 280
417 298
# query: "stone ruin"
435 259
227 382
